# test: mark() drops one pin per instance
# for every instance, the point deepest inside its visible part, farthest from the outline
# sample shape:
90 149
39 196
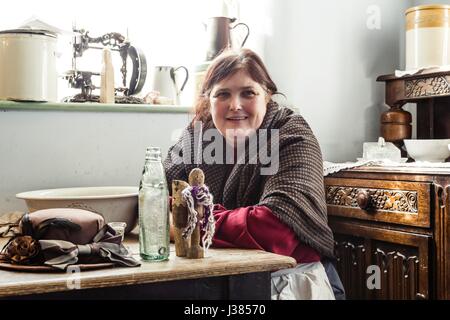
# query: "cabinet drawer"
406 203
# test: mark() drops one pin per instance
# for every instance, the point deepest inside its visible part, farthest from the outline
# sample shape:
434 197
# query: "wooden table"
223 274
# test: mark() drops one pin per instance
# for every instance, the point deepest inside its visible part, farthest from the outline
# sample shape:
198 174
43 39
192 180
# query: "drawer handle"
420 296
363 199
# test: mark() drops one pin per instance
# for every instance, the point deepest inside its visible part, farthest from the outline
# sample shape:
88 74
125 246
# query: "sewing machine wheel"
139 73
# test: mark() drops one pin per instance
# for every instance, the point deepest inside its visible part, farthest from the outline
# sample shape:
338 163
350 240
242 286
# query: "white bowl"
115 204
431 150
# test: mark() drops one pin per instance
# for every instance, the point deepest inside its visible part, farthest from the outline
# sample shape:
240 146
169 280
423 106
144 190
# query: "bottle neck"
153 159
153 154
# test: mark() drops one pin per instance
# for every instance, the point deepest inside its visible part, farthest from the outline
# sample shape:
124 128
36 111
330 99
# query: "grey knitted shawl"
295 194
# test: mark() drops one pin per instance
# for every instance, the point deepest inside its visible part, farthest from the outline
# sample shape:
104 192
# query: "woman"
278 206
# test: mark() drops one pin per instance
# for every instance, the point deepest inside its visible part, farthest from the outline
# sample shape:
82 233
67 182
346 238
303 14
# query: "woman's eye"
248 94
222 95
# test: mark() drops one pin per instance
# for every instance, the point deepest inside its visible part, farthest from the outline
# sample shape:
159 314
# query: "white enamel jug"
165 81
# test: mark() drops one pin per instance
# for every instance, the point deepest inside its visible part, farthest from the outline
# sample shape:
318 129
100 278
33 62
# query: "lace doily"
331 167
430 69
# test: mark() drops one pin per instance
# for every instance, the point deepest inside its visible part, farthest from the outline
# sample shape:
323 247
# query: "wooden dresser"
394 219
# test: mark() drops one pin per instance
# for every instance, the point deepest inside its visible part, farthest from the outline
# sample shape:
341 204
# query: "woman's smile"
237 118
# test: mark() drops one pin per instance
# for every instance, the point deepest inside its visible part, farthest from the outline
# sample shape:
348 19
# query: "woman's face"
238 105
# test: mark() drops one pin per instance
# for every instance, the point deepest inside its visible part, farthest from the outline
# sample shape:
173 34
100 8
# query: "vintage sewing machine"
79 79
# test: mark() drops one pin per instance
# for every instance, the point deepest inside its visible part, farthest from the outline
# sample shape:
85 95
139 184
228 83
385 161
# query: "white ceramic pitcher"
166 83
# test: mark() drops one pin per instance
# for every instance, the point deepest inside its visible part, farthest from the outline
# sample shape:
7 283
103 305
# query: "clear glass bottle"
154 238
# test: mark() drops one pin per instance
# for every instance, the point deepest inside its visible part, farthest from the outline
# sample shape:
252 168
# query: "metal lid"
30 31
428 7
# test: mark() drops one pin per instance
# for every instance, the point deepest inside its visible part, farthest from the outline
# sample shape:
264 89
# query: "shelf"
92 107
414 88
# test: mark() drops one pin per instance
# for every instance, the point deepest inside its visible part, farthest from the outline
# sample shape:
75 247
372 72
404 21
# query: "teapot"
166 83
218 35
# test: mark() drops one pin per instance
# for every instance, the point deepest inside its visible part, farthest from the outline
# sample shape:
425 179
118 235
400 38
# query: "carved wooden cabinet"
392 224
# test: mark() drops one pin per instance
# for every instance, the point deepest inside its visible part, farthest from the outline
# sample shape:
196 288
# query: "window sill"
92 107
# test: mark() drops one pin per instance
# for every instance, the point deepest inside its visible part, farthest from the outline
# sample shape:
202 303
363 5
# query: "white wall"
326 60
57 149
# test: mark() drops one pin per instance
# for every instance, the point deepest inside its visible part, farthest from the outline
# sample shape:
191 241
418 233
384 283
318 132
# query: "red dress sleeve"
256 227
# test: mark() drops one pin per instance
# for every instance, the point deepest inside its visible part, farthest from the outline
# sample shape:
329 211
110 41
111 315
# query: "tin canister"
28 65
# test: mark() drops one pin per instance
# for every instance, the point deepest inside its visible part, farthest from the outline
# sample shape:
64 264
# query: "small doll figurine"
192 211
180 216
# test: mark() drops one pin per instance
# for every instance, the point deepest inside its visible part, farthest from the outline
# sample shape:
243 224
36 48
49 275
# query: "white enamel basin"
115 204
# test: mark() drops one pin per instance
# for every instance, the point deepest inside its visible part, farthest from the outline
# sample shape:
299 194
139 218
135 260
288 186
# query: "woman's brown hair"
226 64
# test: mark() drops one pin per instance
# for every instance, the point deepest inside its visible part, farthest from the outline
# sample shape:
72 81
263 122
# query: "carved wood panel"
444 292
442 237
399 276
426 87
379 199
374 263
398 273
351 267
405 203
